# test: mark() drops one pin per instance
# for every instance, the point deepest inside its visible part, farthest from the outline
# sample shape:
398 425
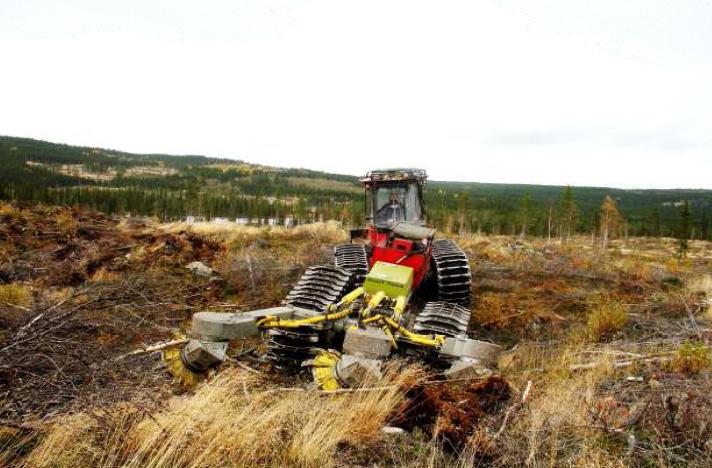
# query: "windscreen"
396 202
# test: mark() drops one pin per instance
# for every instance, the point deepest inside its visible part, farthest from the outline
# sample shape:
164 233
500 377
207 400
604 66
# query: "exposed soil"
452 412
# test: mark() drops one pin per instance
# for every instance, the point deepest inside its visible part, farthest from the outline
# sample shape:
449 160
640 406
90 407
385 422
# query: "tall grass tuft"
691 358
17 294
606 318
228 422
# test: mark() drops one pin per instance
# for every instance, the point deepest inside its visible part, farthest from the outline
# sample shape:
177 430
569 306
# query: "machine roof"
386 175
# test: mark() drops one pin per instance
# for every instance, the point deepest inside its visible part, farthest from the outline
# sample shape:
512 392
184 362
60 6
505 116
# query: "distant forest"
174 187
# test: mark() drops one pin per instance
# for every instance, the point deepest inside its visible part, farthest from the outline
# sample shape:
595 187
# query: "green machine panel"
394 280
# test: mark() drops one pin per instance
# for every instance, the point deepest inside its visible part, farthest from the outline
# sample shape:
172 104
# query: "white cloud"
486 91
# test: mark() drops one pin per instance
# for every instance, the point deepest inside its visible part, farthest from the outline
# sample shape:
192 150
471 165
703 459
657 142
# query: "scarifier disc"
173 362
323 368
288 348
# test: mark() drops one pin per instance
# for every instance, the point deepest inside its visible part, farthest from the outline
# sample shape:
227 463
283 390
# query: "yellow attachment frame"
433 341
335 313
340 310
376 299
399 307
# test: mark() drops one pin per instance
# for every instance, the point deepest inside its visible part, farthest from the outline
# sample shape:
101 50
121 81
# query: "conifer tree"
525 213
463 208
683 231
567 213
655 222
704 225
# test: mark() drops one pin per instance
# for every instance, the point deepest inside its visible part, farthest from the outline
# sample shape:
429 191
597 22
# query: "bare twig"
16 306
691 316
515 407
246 367
657 358
153 348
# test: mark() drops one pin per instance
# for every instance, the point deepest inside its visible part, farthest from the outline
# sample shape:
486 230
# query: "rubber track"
452 272
353 258
318 287
287 349
442 318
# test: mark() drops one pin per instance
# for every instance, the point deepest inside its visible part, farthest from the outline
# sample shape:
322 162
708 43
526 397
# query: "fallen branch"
16 306
691 316
513 408
246 367
153 348
18 340
657 358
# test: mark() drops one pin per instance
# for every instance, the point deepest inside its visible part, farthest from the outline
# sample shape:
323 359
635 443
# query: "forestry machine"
393 289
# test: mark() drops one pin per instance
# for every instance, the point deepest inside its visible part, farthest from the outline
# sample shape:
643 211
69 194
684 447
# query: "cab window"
396 202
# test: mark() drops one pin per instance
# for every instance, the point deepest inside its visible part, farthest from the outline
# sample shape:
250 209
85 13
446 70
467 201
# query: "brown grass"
231 421
10 212
557 426
691 358
606 318
104 275
17 294
67 224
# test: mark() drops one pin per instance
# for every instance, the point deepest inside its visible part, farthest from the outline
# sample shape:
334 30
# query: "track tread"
451 268
353 258
442 318
319 286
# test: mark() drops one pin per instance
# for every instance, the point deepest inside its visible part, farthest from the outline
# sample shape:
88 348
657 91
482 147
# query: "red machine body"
400 252
386 237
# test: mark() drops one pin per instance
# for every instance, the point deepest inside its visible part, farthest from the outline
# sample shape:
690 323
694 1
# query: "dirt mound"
452 411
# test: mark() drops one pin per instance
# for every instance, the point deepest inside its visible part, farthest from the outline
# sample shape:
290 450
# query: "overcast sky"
606 92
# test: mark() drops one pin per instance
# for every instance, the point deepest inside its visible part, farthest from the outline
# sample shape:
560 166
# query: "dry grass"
302 243
230 421
702 286
491 310
327 230
67 224
691 358
10 212
606 318
562 413
17 294
103 275
213 229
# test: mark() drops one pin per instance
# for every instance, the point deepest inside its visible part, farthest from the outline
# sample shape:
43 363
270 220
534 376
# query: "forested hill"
172 187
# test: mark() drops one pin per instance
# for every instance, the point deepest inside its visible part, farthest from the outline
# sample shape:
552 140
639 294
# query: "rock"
200 269
466 369
355 371
202 355
391 430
